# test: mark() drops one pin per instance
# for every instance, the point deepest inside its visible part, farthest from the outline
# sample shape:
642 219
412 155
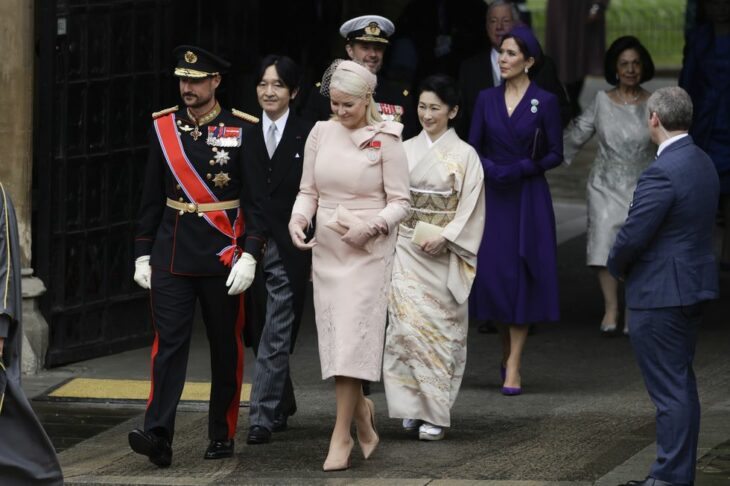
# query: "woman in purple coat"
517 132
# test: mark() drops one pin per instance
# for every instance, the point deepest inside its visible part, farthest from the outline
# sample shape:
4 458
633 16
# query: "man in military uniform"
191 221
366 40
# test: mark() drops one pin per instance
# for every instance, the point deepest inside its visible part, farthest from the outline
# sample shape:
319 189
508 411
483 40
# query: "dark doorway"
102 67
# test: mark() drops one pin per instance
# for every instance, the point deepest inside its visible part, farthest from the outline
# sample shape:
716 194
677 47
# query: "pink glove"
297 224
359 234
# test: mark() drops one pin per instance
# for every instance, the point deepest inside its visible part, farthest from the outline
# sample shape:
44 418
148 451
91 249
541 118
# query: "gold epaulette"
244 116
164 112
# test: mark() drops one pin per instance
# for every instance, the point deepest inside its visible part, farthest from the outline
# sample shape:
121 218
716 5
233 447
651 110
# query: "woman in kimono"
618 117
516 131
425 343
27 456
355 179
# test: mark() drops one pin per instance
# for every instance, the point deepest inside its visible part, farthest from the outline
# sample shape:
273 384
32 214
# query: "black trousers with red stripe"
173 298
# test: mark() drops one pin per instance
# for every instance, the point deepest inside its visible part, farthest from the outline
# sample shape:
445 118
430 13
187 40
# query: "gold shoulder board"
244 116
164 112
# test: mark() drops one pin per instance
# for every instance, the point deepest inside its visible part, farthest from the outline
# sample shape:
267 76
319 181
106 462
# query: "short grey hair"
505 3
673 107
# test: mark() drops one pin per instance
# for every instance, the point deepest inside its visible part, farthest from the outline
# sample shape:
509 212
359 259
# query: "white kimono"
425 345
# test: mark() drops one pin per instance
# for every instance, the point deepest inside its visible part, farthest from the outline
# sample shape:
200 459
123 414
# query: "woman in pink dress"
355 180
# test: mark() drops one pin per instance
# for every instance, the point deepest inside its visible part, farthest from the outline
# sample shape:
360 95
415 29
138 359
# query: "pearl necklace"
630 101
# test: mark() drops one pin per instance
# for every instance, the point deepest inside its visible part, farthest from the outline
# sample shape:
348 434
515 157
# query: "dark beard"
197 102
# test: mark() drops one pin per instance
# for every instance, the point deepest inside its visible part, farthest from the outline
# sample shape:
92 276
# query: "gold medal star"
221 179
222 157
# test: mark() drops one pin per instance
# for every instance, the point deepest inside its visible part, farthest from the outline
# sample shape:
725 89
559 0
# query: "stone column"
16 159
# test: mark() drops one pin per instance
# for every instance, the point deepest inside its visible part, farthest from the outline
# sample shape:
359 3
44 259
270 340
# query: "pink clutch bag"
341 221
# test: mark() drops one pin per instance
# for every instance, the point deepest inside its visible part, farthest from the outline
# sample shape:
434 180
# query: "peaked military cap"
367 28
194 62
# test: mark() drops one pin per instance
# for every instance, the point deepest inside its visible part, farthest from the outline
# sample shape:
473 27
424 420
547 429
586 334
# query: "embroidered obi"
434 207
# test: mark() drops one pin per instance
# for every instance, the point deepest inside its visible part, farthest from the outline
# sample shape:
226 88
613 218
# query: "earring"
526 70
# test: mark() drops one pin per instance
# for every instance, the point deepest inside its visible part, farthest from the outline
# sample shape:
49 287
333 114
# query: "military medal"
196 133
372 150
223 136
221 179
221 157
390 112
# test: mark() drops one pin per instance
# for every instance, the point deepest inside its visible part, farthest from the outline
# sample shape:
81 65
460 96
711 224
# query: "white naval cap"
367 28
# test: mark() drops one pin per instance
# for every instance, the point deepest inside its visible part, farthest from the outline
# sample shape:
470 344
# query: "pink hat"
361 71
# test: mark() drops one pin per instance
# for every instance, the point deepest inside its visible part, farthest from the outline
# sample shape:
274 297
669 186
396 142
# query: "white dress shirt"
496 75
668 142
280 124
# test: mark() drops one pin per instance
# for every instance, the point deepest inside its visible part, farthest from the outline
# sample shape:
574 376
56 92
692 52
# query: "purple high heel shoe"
509 391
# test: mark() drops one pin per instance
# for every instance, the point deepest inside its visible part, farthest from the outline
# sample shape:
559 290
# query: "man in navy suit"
664 253
273 167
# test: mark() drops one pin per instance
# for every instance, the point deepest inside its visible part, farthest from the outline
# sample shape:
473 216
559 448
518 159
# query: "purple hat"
525 35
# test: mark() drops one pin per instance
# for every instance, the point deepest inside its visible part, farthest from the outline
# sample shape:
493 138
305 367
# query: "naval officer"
366 39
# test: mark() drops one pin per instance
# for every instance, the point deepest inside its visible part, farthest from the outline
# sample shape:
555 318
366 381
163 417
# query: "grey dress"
624 151
27 456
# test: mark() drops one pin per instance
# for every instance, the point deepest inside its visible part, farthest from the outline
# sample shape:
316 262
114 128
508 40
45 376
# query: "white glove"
241 275
143 272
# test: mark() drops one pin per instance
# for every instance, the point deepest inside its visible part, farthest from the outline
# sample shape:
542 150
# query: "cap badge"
372 29
190 57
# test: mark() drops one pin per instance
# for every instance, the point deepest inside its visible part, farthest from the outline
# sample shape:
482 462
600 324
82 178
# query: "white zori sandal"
431 432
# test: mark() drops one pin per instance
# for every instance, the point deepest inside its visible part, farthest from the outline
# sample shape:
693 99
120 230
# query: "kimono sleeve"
464 232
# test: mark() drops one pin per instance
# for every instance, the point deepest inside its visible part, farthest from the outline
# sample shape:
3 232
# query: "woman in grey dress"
618 117
27 456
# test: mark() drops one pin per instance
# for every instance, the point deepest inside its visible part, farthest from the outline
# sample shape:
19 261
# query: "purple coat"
516 279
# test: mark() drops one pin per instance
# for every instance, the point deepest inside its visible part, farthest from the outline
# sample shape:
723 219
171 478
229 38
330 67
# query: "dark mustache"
188 93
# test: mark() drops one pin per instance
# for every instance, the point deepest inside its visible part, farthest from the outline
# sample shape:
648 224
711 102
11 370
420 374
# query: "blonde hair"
352 84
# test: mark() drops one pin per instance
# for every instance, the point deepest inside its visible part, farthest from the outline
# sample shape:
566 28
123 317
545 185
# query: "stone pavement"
584 418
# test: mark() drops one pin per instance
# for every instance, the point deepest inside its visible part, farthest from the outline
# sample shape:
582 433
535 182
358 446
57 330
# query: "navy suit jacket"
664 249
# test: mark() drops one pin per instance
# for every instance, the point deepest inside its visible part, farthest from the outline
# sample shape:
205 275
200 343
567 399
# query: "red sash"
195 189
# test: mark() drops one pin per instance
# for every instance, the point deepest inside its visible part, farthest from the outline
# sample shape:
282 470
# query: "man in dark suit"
191 218
664 254
274 153
482 71
366 40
